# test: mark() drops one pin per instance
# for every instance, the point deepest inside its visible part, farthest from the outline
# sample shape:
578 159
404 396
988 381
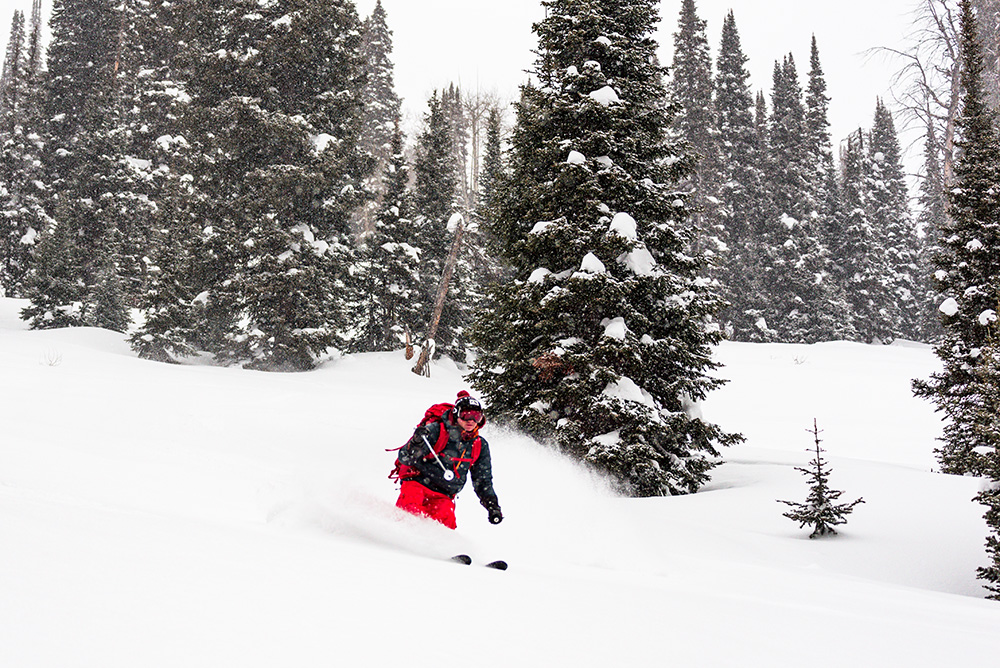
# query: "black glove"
493 508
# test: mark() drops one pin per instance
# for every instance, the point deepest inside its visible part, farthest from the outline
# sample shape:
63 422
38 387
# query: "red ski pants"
417 499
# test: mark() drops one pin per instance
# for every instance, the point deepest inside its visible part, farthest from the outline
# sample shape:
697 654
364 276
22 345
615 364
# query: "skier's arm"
482 483
416 449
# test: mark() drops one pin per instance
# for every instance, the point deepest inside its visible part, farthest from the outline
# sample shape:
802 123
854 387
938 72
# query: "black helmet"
466 403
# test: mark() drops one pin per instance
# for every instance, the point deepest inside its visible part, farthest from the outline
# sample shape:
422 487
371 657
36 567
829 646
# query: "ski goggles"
476 416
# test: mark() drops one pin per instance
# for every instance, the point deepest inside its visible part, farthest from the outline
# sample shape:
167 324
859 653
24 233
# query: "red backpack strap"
442 438
477 448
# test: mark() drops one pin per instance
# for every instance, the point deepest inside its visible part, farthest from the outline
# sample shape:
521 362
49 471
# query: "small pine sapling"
820 510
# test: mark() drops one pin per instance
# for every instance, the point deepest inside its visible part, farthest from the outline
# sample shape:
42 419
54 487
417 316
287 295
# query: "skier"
435 462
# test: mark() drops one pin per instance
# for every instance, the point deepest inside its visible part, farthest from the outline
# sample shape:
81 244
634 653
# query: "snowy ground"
185 516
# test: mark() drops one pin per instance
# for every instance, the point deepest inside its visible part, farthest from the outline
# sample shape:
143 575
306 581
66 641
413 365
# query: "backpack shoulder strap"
443 436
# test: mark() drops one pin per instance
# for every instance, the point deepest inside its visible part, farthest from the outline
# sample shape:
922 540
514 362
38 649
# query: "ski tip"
498 565
462 559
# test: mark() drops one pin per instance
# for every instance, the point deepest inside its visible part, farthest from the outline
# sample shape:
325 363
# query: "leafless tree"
928 85
476 107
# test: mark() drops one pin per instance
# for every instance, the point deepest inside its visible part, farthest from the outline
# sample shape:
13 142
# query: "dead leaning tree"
423 367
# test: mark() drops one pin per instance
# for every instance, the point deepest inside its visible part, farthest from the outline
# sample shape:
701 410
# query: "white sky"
488 45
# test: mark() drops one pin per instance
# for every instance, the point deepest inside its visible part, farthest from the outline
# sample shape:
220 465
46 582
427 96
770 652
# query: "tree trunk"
422 367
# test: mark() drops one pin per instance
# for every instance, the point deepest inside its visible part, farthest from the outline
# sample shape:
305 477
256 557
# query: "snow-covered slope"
155 515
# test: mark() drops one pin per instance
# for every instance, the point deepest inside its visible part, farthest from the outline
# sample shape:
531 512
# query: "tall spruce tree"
821 174
892 217
390 297
862 259
454 112
275 172
602 341
968 263
13 234
381 104
75 277
741 192
690 86
801 301
931 218
986 420
493 164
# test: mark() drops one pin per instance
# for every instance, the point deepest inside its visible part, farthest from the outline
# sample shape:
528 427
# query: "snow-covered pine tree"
12 77
967 266
931 217
801 303
859 246
986 419
690 86
454 113
822 188
493 174
390 300
987 13
741 192
181 263
493 165
35 49
275 172
892 218
14 256
81 169
820 509
602 342
787 164
380 105
435 196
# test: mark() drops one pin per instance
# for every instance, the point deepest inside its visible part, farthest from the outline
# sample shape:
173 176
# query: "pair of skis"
467 560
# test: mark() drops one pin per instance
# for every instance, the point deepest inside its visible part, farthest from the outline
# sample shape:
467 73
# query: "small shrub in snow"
820 510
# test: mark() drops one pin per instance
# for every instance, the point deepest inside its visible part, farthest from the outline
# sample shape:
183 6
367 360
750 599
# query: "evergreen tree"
788 170
740 185
81 167
12 77
13 250
454 114
691 88
931 219
272 129
801 302
390 299
36 52
967 266
891 216
820 509
381 104
863 262
986 421
822 176
22 215
493 165
603 339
